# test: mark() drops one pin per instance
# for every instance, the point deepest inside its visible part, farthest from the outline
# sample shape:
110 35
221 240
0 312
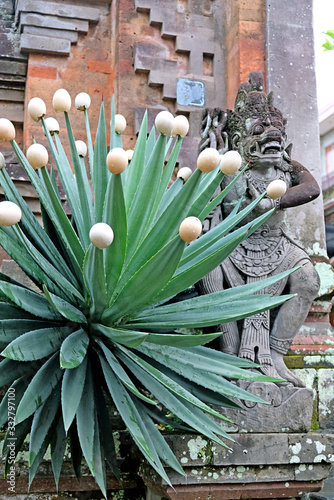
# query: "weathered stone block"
311 448
253 449
237 474
326 398
250 474
311 472
52 21
150 57
55 33
13 68
11 95
242 492
13 111
60 9
45 45
190 450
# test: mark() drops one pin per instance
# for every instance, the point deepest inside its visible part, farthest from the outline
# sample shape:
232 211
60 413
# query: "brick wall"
88 68
245 42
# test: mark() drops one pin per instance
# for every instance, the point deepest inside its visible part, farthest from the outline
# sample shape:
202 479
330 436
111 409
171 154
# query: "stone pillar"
291 76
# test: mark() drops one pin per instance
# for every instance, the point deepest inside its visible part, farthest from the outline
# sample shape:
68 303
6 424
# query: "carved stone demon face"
260 138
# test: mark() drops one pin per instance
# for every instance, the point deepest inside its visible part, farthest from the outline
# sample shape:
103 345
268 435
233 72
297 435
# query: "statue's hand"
264 205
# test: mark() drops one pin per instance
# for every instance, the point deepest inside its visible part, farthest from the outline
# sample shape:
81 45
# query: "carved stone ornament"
257 130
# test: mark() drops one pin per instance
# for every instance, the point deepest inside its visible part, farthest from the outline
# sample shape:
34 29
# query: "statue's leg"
292 314
229 341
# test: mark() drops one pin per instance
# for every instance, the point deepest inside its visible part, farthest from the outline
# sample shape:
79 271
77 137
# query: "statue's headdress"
251 100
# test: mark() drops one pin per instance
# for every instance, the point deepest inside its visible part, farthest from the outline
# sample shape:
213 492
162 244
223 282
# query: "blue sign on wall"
190 92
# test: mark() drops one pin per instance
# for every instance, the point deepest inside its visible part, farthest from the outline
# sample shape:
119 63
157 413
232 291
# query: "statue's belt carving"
265 251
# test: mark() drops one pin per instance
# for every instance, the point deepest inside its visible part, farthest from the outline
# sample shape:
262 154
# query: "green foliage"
329 44
104 328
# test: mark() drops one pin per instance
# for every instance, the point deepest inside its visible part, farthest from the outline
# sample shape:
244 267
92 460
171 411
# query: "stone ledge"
60 9
234 491
51 27
72 36
53 22
254 449
45 45
250 474
258 466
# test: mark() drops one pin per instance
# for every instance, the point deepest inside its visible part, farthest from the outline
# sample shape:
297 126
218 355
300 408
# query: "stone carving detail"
194 35
257 130
51 27
289 409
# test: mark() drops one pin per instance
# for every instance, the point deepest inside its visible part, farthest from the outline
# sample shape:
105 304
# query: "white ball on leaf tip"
120 124
10 213
101 235
61 101
37 155
36 108
208 160
52 125
7 130
2 161
117 160
184 173
230 162
190 229
180 126
164 122
81 148
82 101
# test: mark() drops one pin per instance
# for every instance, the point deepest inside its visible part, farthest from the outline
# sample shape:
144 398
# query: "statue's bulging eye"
258 129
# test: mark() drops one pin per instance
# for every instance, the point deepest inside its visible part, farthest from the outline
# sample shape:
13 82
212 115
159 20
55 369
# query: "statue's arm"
304 187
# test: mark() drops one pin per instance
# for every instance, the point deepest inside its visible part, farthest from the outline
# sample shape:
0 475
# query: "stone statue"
257 130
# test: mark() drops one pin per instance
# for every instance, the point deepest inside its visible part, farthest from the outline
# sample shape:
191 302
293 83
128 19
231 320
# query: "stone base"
276 465
289 409
237 492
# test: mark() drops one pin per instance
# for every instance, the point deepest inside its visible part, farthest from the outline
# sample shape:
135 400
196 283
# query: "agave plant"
105 328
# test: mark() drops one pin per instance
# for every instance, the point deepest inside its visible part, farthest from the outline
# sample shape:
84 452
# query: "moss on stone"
294 361
314 419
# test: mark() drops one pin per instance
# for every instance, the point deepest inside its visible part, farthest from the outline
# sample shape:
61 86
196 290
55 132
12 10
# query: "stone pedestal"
274 465
271 454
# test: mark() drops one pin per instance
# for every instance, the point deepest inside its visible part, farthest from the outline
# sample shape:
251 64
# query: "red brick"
125 65
126 5
317 318
99 67
300 340
321 339
319 308
42 72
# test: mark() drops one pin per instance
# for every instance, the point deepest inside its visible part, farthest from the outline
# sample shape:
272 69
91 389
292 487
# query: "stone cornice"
51 27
